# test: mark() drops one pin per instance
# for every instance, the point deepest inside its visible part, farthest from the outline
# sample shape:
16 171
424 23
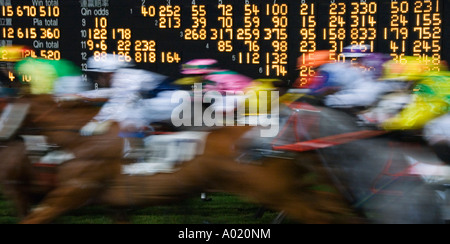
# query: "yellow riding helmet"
409 69
258 86
41 72
15 53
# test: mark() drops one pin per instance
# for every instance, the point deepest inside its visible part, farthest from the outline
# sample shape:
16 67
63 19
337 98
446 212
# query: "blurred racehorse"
298 185
61 123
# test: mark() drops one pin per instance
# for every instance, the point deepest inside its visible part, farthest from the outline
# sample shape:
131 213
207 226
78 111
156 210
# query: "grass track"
223 209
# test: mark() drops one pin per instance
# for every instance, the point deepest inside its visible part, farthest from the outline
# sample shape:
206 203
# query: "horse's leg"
80 181
312 209
302 206
317 203
301 191
55 204
21 199
15 176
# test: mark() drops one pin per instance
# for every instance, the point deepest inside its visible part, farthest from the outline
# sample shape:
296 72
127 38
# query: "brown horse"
295 186
61 123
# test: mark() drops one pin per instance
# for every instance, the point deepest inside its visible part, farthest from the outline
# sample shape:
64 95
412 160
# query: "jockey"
310 76
51 76
60 78
374 64
311 86
402 76
216 82
356 88
259 87
226 83
121 86
430 100
434 93
195 70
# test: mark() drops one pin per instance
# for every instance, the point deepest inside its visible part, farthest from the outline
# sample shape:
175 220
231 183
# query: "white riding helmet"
356 51
107 63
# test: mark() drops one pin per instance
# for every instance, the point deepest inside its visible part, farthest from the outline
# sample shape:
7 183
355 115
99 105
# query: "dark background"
126 14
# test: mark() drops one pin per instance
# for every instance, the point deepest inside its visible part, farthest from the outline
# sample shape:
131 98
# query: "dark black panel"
261 40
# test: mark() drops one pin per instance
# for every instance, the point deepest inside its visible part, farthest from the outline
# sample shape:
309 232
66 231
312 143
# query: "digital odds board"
258 38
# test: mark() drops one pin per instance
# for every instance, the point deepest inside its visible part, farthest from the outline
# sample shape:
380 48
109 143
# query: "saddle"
161 153
43 160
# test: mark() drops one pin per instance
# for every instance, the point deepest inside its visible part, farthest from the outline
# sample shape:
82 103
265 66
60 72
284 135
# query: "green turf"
223 209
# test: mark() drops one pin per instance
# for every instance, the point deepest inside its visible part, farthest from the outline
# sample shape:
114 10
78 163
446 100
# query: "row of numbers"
427 28
31 11
308 44
168 16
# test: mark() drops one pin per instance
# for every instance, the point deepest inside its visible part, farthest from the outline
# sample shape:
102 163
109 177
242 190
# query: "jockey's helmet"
108 63
15 53
200 67
314 60
357 51
407 69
